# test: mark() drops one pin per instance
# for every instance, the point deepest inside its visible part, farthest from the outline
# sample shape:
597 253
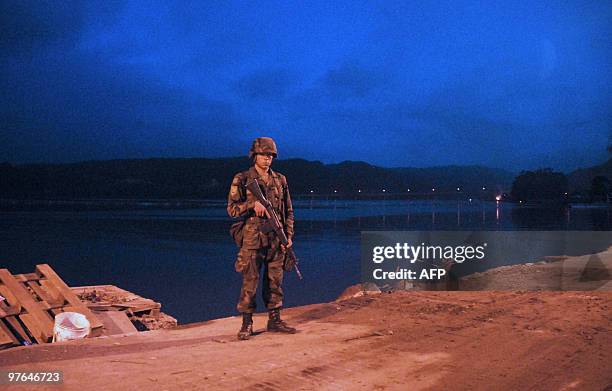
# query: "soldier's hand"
260 210
289 244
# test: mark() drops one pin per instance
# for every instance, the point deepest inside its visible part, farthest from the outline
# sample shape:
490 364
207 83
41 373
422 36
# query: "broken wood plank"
42 294
52 291
18 330
86 288
137 308
38 331
7 339
27 277
116 322
11 300
46 271
102 307
6 310
39 322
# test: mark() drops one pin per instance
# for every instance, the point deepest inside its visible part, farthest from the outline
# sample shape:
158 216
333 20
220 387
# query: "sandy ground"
408 340
580 273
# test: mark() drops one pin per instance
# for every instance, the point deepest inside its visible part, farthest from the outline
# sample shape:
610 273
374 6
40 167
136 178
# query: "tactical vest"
246 232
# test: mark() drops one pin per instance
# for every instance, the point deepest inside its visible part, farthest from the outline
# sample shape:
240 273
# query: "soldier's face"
264 160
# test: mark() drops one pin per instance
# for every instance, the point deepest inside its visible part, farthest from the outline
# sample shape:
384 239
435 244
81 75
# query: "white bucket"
70 325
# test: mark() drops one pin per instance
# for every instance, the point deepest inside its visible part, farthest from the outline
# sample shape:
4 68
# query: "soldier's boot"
247 326
275 324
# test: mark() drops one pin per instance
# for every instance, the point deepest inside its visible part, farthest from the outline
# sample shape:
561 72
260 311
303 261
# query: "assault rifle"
274 224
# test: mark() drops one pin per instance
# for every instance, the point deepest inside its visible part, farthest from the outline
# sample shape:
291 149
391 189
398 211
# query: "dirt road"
401 340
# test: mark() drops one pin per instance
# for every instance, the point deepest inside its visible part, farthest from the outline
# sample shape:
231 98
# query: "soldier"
258 249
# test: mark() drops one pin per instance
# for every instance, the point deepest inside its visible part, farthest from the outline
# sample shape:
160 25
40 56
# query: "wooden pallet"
112 298
114 305
32 301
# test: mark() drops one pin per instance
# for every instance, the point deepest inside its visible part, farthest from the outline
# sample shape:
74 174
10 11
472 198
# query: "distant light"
484 188
521 202
408 189
458 189
498 198
470 200
359 190
335 191
312 191
565 193
384 190
433 189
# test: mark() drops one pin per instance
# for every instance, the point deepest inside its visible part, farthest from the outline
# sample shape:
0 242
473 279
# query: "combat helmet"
263 145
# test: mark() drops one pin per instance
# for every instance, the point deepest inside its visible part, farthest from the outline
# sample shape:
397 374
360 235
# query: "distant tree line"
198 178
543 184
211 178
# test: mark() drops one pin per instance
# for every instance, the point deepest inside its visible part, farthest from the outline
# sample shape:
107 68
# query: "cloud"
77 107
351 80
24 24
27 25
265 84
173 79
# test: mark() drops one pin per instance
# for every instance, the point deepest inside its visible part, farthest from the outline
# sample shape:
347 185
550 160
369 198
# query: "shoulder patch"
283 180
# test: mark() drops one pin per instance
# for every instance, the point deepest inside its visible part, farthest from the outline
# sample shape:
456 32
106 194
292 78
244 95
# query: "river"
184 258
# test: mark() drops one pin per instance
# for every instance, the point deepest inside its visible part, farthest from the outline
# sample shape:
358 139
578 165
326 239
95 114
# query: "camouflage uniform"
259 249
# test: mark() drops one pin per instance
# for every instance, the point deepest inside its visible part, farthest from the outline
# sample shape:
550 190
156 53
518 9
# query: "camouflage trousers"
249 263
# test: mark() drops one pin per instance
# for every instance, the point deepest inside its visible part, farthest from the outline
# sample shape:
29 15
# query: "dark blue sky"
513 84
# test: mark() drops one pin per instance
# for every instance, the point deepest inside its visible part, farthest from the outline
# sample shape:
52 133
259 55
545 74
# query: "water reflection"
531 218
437 214
458 213
600 219
184 257
497 208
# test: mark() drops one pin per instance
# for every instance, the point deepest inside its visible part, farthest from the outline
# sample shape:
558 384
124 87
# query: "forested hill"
580 180
198 178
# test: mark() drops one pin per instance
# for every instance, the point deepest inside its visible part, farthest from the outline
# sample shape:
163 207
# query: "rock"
359 290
